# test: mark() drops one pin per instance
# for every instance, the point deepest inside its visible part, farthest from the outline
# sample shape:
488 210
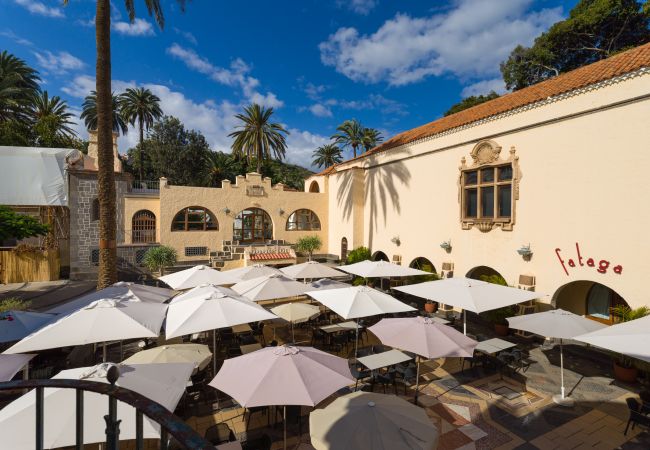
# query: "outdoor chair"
407 378
317 336
339 342
385 380
219 434
636 416
257 409
359 372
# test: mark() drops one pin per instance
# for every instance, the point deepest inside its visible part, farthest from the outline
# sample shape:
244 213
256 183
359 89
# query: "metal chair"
636 416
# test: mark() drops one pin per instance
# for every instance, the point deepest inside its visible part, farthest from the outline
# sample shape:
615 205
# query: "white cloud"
469 41
58 63
362 7
322 106
301 146
81 85
187 35
320 110
139 27
17 39
39 8
484 87
236 75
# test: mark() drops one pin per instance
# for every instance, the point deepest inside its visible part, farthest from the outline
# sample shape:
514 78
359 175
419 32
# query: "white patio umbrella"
196 276
325 284
122 291
163 383
469 294
380 269
209 307
270 287
311 269
424 337
629 338
100 321
283 376
11 364
296 312
365 420
196 354
252 271
559 324
15 325
359 301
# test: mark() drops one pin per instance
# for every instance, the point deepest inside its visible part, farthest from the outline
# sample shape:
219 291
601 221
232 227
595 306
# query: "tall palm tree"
91 119
350 134
258 137
18 84
370 137
105 177
52 113
142 106
219 166
327 155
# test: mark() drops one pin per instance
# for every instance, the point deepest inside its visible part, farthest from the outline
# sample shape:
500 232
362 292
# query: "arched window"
313 187
344 249
195 218
94 210
252 225
303 220
600 301
379 256
422 263
143 227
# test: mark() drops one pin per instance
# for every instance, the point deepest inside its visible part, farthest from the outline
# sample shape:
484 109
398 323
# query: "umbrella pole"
293 336
561 399
104 352
465 322
214 349
284 420
417 379
356 342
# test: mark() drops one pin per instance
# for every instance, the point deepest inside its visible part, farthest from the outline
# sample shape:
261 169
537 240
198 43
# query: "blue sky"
391 64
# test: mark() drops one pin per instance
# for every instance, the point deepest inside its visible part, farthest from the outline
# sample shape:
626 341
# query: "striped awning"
269 256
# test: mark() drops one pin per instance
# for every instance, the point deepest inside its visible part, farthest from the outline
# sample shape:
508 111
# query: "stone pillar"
91 160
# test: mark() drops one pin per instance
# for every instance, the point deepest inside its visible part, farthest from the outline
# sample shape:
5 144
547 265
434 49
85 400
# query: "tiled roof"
269 256
614 66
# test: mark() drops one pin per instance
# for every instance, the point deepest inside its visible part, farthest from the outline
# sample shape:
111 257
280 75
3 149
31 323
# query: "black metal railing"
170 425
145 186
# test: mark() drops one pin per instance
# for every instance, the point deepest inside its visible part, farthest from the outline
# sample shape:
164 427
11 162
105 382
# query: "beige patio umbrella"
311 269
296 312
197 354
196 276
364 420
252 271
270 287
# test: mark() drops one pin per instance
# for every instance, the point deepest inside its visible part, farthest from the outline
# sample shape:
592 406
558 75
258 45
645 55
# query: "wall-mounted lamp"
525 252
281 211
396 240
226 210
446 246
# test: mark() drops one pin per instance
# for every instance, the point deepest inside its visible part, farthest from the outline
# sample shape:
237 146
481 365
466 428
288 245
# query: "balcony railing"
170 425
145 187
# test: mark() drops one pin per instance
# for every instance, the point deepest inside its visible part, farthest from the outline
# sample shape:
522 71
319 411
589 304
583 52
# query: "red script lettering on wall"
601 267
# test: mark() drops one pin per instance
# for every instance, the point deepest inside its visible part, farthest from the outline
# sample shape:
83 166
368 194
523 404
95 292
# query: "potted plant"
624 369
308 245
430 306
498 318
157 258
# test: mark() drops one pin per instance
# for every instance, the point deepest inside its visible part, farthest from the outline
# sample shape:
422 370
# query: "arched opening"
344 249
485 273
314 187
379 256
422 263
590 299
303 220
195 218
252 225
94 210
143 227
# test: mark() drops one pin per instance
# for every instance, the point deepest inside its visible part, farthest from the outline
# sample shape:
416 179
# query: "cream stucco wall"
135 203
235 198
584 160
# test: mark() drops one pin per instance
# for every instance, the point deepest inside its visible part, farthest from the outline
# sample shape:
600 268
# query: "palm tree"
142 106
51 118
258 137
350 134
107 273
219 166
327 155
370 138
90 117
18 84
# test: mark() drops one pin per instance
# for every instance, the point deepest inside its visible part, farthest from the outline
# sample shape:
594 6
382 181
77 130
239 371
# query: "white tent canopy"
380 269
163 383
31 176
628 338
196 276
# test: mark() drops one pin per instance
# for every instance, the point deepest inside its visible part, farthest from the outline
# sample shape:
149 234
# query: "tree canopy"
19 226
471 101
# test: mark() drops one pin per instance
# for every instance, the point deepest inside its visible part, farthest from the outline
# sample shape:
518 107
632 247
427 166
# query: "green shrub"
157 258
19 226
494 279
309 244
358 254
13 304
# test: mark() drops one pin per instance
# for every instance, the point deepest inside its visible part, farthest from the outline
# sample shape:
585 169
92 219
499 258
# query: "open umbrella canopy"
122 291
250 272
270 287
209 307
359 301
163 383
364 420
311 269
195 276
283 376
629 338
296 312
196 354
555 323
15 325
100 321
11 364
469 294
424 337
380 269
325 284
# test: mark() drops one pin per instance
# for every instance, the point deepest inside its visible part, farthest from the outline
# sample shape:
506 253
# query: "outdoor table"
234 445
250 348
343 326
383 359
243 328
492 346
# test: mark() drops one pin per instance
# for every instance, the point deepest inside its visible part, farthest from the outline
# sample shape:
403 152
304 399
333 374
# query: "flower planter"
430 308
625 374
500 329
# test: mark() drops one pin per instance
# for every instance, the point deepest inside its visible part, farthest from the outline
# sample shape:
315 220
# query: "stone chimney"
91 160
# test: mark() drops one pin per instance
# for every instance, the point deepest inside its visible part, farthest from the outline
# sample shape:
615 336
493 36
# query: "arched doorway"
252 225
379 256
313 187
422 263
590 299
485 273
344 249
143 227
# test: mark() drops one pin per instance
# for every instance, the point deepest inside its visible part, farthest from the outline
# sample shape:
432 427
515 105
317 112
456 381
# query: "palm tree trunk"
259 158
141 149
105 175
354 150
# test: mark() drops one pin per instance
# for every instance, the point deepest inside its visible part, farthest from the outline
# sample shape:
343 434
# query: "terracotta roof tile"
269 256
605 69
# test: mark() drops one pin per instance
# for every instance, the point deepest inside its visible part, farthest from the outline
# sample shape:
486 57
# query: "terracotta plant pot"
625 374
430 307
501 329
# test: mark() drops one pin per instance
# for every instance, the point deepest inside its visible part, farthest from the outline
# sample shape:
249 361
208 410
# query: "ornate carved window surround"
487 198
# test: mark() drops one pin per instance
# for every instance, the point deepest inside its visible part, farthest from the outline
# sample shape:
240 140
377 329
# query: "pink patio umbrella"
283 375
425 338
